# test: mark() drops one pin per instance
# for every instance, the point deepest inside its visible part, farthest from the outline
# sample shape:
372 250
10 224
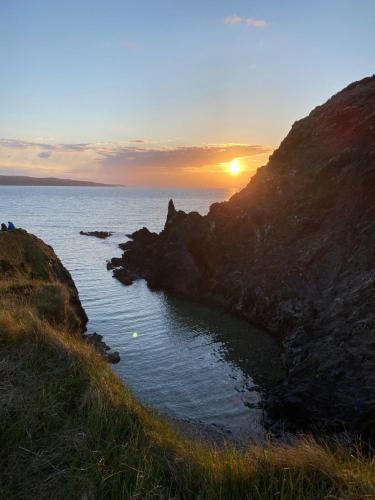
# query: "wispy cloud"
248 21
234 19
257 23
140 141
45 154
180 157
136 161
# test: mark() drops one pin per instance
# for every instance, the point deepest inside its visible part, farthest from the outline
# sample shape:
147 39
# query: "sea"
197 365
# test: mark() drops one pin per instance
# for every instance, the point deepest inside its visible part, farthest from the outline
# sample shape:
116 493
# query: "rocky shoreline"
103 235
103 349
71 429
36 274
292 252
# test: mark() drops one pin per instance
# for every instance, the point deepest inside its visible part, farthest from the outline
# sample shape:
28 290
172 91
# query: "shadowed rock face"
294 252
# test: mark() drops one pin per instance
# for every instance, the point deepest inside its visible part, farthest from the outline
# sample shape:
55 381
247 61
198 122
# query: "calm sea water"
191 362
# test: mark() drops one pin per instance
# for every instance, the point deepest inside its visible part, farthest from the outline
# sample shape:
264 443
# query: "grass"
70 429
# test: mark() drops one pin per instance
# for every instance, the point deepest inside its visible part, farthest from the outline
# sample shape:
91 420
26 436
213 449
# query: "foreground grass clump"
70 429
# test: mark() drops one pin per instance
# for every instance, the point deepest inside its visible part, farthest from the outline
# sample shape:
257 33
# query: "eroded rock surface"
294 251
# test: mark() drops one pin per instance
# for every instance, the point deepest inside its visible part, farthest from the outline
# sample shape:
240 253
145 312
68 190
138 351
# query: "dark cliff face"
295 252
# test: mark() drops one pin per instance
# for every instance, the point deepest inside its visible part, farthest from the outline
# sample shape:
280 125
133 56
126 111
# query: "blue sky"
171 74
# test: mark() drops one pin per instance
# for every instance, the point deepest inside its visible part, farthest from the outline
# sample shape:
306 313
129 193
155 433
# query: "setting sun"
234 167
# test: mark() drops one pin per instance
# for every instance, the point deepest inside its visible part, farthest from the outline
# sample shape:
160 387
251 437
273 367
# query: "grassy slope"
70 429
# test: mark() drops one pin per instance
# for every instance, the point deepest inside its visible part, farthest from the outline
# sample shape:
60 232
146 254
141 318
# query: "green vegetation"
71 430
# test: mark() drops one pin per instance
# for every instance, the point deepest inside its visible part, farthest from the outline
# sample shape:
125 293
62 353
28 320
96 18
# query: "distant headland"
23 180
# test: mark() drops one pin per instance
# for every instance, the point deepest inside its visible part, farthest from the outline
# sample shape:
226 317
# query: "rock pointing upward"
171 213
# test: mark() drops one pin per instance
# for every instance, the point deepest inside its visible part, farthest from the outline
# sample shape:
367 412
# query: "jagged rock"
97 234
294 252
171 213
124 276
113 357
98 343
115 262
144 236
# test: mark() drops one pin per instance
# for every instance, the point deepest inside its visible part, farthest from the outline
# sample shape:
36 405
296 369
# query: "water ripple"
192 362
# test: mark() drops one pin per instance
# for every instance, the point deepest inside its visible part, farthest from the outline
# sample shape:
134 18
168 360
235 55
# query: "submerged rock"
97 234
293 252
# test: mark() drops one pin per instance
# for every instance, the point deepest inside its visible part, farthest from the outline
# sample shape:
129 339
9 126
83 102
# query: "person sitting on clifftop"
11 226
3 227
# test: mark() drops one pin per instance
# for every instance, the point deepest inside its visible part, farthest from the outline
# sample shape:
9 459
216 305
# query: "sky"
168 92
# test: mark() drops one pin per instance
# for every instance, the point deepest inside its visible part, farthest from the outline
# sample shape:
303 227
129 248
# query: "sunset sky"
168 93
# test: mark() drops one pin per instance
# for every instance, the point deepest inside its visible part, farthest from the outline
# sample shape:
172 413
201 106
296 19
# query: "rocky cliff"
70 429
34 283
294 251
32 275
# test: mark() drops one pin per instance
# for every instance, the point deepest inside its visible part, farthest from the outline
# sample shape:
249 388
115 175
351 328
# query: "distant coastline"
23 180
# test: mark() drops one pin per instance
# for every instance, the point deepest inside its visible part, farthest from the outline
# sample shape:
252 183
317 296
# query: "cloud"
257 23
180 157
45 154
135 161
234 19
248 21
189 166
18 144
140 141
73 147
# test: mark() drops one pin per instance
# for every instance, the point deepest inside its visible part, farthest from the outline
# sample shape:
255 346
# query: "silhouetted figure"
11 226
3 227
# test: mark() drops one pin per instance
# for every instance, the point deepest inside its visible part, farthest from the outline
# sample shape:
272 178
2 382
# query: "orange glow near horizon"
234 167
222 166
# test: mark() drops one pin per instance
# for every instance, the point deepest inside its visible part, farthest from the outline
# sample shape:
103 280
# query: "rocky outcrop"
293 252
32 276
96 234
98 343
30 270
